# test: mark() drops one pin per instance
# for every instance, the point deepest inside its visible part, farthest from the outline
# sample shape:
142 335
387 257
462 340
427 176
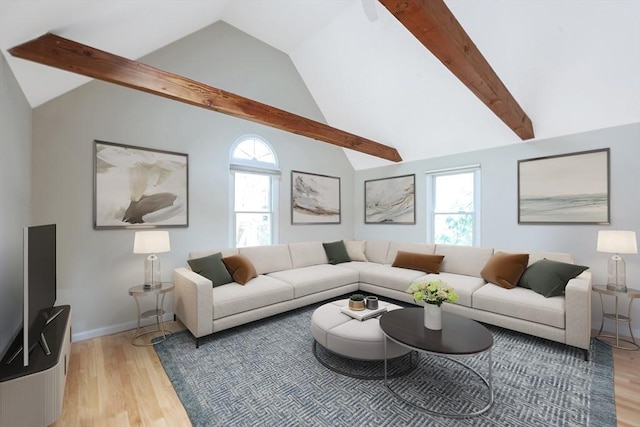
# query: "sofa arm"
578 311
193 301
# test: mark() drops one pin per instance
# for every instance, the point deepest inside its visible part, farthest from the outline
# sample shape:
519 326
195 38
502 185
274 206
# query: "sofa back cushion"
420 248
201 254
537 256
307 253
376 250
267 259
465 260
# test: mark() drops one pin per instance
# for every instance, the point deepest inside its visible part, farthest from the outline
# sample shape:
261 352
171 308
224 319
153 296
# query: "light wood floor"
112 383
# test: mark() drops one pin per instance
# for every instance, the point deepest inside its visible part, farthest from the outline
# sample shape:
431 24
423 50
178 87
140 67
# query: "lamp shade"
151 242
617 242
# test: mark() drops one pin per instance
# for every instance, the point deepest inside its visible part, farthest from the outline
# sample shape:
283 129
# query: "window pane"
254 149
252 192
454 229
253 229
454 193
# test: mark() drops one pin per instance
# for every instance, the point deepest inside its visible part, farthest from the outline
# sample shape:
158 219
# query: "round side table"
159 292
615 340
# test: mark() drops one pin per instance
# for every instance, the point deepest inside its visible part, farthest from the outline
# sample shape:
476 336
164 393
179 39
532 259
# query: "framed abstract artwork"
315 199
136 187
564 189
390 200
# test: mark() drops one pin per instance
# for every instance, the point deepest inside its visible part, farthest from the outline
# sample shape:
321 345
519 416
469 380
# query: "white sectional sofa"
298 274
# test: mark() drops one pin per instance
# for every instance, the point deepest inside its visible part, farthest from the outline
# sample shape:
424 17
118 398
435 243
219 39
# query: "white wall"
15 187
500 228
96 267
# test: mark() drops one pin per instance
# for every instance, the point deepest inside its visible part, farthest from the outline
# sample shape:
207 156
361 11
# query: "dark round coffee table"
459 337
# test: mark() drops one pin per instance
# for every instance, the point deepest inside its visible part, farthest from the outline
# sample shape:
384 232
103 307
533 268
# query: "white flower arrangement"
432 292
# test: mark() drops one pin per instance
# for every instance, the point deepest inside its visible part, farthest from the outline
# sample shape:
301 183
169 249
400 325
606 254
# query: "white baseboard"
114 329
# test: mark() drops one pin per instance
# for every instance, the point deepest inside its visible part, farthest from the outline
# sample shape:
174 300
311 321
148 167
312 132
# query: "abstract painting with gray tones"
390 200
315 199
137 186
570 188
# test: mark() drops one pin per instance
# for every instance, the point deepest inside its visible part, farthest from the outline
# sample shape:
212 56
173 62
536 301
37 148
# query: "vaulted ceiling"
572 66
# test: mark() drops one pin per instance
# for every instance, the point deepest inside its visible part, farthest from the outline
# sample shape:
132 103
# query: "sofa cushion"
261 291
316 278
390 277
465 260
267 259
307 253
376 251
416 261
394 247
548 277
201 254
212 268
359 265
240 267
336 252
521 303
355 249
537 256
505 269
465 286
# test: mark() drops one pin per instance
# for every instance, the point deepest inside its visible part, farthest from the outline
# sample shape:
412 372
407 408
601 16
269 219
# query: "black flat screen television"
40 283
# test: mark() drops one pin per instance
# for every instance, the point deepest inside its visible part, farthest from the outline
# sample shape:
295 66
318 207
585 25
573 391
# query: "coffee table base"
486 381
413 364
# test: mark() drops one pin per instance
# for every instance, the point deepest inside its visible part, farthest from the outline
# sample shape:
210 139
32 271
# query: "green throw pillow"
549 278
212 268
336 252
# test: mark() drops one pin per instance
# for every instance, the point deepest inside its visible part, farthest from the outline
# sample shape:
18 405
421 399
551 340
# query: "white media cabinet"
32 396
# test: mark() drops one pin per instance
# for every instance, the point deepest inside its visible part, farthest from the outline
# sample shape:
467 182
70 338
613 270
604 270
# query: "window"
454 207
255 173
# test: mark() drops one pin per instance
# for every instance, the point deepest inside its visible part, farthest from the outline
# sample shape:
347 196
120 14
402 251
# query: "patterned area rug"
265 373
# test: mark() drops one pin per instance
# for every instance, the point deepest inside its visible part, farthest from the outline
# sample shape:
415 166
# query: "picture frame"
390 200
565 189
315 199
137 187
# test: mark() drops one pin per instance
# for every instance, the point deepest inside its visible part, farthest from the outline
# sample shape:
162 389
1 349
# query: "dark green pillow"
212 268
549 278
336 252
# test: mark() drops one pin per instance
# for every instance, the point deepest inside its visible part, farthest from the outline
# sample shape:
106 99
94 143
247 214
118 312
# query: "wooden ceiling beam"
433 24
68 55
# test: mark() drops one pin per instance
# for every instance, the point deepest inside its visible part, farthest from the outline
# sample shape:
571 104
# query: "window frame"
431 200
245 166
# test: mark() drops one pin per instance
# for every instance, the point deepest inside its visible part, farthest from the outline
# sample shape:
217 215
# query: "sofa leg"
197 342
586 354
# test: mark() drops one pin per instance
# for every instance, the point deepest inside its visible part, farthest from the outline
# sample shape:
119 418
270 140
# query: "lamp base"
617 288
152 278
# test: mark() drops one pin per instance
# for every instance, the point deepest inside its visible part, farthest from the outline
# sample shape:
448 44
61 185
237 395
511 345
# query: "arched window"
254 171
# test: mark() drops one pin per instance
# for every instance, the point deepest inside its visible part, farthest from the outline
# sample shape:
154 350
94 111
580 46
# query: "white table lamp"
617 242
151 242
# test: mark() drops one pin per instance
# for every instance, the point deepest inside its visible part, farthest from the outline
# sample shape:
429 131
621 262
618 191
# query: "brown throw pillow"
416 261
505 269
240 268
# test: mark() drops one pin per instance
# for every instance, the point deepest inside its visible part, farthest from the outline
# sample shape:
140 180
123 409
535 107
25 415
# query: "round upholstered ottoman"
352 338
